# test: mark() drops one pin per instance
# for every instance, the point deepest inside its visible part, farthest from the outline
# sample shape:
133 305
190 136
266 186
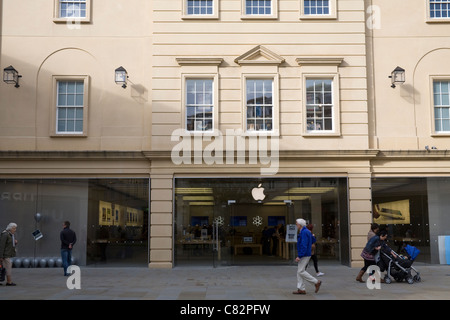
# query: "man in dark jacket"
304 242
68 239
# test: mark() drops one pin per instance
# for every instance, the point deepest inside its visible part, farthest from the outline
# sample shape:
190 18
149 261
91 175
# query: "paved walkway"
226 283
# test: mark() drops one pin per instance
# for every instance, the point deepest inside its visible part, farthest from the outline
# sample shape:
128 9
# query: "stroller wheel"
417 278
410 280
387 279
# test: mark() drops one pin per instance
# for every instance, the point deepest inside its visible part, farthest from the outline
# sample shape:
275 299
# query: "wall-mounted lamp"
121 77
11 76
397 76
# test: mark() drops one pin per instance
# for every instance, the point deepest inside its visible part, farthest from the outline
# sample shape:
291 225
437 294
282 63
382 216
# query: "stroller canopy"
413 252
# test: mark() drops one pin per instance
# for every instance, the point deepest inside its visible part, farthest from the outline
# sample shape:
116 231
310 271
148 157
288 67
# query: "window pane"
72 8
70 99
61 125
70 93
437 125
79 87
71 87
70 113
79 113
199 104
70 126
445 125
190 124
61 100
317 7
258 112
445 101
62 87
79 125
208 125
327 85
439 8
208 113
190 112
62 113
437 100
441 105
258 7
259 104
319 104
79 100
268 112
199 98
201 7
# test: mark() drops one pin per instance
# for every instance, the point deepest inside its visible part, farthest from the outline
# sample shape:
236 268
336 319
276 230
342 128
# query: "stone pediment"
259 55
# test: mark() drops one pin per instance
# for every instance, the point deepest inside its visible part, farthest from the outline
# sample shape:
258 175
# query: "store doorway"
257 233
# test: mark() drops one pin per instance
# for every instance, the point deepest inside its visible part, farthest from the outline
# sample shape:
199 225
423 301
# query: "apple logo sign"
258 193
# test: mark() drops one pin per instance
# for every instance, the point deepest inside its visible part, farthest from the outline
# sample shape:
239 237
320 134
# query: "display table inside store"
202 242
247 245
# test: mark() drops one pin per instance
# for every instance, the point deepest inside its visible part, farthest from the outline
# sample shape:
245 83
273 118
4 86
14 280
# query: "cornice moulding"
71 155
199 61
314 61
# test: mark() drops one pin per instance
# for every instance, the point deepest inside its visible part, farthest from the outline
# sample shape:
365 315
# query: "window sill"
68 135
71 20
318 17
438 20
443 134
259 17
200 17
272 133
321 134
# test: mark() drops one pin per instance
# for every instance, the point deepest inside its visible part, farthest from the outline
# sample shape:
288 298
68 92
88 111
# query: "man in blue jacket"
304 242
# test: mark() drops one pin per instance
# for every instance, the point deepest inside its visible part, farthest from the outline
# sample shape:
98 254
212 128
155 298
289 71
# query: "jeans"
66 257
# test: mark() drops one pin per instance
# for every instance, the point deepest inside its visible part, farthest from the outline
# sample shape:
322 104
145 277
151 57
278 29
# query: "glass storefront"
109 216
415 211
238 221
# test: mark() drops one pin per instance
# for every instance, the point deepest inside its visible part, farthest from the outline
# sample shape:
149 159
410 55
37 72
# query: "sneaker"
319 274
10 284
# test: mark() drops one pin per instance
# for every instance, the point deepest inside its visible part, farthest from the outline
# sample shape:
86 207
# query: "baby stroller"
399 268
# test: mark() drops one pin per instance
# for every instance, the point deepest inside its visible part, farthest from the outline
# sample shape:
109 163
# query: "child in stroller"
398 266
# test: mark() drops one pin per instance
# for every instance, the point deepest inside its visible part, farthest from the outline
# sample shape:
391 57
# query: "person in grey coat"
8 250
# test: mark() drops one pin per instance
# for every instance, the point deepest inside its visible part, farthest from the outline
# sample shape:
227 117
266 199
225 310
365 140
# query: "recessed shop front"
109 216
414 211
244 221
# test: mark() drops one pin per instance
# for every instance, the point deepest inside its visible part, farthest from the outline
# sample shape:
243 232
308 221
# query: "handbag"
2 273
367 256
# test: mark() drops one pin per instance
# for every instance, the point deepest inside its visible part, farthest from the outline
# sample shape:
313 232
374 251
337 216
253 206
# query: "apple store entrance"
244 221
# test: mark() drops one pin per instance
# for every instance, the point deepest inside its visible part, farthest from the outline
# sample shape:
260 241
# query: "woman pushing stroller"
371 251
